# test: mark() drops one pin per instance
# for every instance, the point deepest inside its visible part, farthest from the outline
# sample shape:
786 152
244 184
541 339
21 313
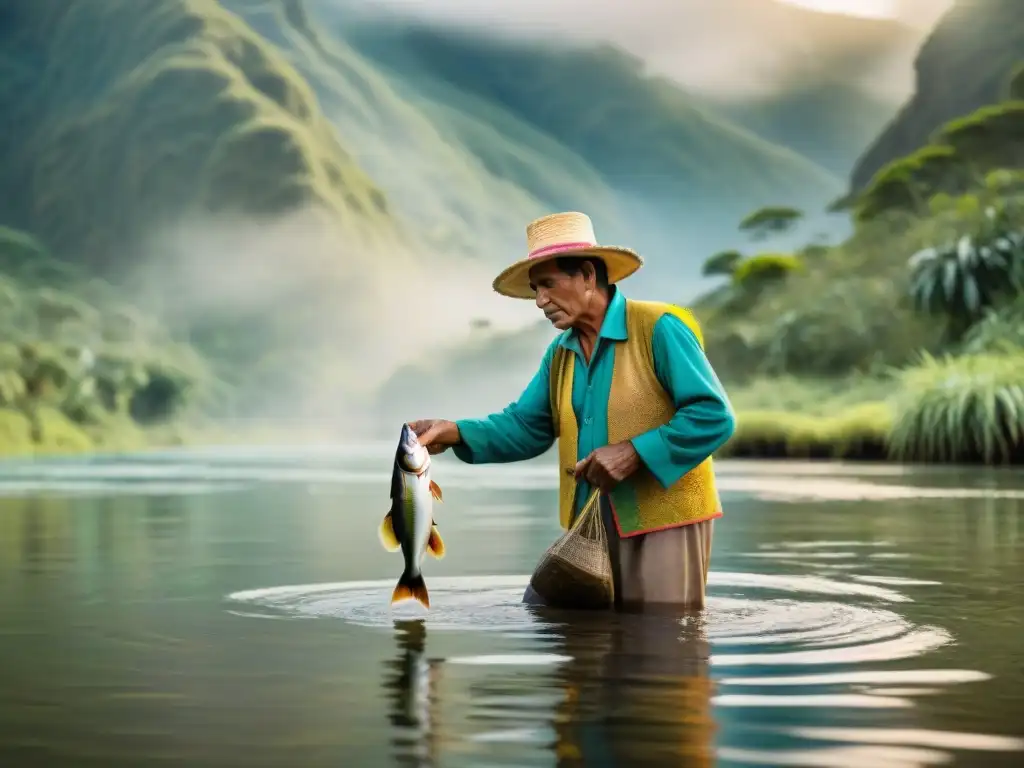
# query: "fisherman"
634 403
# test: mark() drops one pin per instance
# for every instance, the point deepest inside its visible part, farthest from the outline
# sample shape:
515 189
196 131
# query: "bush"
856 433
850 326
989 138
907 182
968 410
160 398
964 278
765 268
770 220
961 154
999 330
57 370
1003 181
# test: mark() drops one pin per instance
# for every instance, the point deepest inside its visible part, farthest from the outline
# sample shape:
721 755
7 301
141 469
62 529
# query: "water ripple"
814 632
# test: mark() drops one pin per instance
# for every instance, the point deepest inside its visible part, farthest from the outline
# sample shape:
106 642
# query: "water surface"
230 608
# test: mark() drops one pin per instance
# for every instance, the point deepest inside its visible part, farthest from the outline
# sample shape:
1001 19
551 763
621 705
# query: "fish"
409 525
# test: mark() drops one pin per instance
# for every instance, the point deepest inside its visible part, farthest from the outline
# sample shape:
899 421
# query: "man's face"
561 297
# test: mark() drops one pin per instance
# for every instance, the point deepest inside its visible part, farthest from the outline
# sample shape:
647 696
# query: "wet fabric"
663 568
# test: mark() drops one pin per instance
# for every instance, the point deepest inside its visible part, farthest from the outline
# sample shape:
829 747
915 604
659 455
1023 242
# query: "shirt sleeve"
704 418
522 431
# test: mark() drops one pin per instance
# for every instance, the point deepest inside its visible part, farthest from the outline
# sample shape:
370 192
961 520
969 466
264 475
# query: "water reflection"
637 691
611 691
410 681
876 624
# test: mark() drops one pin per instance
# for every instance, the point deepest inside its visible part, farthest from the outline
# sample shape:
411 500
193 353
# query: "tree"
722 263
763 269
770 220
963 278
907 183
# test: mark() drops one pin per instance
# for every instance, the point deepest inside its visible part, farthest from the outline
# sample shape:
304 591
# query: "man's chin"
561 322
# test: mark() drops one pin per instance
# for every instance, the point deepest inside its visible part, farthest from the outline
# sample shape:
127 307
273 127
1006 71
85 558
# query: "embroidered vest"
637 403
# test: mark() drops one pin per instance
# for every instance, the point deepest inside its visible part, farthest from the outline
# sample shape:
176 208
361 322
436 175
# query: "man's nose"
542 298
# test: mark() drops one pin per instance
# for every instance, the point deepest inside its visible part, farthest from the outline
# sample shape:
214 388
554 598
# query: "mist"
344 313
725 50
337 314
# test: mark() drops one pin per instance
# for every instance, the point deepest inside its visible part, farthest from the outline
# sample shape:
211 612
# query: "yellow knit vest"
637 403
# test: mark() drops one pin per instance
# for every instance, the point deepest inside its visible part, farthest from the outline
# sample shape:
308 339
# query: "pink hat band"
547 250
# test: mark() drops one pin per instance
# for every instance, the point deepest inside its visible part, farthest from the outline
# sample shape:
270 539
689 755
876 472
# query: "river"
230 608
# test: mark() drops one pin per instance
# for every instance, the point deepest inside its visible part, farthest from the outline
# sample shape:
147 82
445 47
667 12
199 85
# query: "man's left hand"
608 466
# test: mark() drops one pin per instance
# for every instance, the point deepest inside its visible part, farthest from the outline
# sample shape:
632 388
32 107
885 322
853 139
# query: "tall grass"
968 409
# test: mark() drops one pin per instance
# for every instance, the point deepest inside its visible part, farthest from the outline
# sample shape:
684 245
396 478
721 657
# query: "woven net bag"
576 571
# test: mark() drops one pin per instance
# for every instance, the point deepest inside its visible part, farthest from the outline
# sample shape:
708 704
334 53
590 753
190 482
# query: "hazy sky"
725 48
920 13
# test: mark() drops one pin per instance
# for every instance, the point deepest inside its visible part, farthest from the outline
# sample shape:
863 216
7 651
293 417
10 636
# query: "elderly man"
635 406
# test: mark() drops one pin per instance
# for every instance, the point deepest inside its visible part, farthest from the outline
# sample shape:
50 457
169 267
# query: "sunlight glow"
875 9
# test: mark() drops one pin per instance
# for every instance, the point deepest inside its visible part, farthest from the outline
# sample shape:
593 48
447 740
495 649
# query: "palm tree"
963 279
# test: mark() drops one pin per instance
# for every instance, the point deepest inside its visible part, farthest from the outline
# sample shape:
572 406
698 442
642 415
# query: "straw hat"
563 234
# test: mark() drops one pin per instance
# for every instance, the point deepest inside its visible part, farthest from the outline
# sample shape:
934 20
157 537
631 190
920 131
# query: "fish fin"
386 533
435 491
411 588
435 544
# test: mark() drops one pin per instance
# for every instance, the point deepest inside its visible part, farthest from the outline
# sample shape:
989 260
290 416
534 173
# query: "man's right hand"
436 435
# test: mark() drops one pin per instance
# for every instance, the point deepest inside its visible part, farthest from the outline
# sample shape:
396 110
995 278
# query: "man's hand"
436 435
608 466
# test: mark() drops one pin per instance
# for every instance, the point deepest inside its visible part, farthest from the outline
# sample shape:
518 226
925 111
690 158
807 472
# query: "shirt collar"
613 327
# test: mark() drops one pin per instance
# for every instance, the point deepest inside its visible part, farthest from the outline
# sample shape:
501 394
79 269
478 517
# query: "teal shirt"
525 429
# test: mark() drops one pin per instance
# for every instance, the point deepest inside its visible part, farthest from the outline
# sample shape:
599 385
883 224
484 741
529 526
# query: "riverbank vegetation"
80 368
906 341
898 342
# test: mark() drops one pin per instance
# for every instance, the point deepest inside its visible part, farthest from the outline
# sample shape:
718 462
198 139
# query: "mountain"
262 174
120 117
821 84
641 134
171 149
964 64
154 113
832 82
549 127
454 192
680 175
829 122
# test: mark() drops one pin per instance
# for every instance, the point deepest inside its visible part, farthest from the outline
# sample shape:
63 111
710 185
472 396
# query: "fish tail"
411 587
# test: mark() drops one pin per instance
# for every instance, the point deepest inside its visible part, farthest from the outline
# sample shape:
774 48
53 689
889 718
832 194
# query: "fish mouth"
407 440
412 456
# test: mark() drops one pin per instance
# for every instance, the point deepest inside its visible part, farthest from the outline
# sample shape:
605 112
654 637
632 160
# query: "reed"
964 410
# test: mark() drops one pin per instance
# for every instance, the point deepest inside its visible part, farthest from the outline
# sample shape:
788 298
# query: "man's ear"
589 273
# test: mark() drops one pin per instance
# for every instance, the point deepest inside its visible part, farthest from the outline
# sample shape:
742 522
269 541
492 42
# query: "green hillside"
838 82
850 352
149 113
258 174
120 116
641 134
827 121
958 156
966 63
457 176
466 163
81 367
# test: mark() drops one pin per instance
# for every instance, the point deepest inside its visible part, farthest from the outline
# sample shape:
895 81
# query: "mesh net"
576 571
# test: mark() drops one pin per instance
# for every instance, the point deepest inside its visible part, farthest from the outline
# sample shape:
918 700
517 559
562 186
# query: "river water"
230 608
